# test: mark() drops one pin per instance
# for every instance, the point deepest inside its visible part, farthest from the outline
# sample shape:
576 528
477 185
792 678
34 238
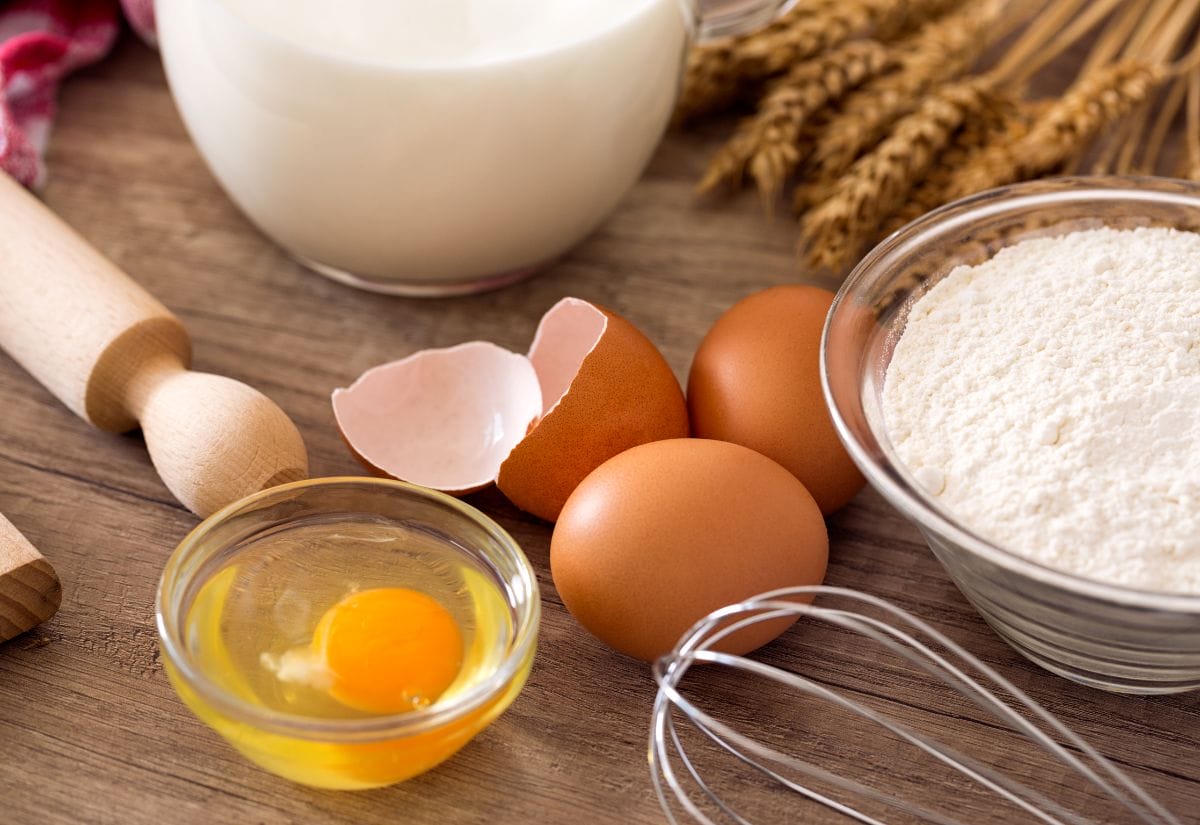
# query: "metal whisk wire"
908 637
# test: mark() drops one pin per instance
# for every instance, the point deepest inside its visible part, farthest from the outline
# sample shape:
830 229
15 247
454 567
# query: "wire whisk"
681 787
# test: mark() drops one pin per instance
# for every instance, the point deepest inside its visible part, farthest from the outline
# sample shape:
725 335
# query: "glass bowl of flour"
1019 374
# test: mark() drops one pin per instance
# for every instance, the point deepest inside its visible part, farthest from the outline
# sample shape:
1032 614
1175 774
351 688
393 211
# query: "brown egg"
664 533
756 381
605 388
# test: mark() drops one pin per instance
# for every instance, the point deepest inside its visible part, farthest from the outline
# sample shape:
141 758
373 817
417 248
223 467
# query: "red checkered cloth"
41 41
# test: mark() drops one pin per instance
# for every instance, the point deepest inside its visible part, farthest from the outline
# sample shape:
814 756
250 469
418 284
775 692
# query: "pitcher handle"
711 19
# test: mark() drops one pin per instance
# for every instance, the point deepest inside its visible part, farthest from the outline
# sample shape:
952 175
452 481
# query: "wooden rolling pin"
119 359
29 588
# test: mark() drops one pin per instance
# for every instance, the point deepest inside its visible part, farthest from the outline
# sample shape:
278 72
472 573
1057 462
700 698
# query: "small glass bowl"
347 753
1107 636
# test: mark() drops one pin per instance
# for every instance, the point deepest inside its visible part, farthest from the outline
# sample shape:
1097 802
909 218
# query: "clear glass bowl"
1106 636
346 753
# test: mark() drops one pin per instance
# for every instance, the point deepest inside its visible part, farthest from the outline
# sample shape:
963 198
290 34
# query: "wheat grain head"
940 50
879 183
767 143
718 73
1004 123
712 77
1093 102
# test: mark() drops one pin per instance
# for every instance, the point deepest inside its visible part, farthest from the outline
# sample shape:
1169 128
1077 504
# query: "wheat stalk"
879 183
711 77
1046 36
1053 29
861 96
767 143
1093 102
1167 111
718 73
1192 127
709 83
942 49
1006 122
810 36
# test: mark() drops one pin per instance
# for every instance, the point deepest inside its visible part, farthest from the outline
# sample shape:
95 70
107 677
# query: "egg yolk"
388 650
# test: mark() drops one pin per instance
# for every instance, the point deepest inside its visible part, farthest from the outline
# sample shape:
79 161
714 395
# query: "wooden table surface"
90 731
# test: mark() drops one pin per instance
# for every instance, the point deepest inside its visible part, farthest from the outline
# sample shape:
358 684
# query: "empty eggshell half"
605 388
441 418
458 419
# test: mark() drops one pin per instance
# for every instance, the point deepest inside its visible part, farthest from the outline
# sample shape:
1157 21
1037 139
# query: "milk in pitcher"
424 145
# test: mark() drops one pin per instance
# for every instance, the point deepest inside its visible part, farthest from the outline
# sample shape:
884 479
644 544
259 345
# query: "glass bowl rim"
884 475
373 728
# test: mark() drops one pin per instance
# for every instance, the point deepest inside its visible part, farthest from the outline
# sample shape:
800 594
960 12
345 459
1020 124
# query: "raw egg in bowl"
348 632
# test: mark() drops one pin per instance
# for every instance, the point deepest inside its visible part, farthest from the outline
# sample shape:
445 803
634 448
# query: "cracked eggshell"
605 388
441 418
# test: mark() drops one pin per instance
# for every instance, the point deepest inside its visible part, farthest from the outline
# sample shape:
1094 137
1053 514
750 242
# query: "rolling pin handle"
212 439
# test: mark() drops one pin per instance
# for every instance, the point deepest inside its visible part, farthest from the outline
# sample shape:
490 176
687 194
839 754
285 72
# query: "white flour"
1050 399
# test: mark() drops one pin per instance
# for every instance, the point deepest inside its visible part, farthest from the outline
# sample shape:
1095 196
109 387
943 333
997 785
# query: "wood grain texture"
29 588
89 728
